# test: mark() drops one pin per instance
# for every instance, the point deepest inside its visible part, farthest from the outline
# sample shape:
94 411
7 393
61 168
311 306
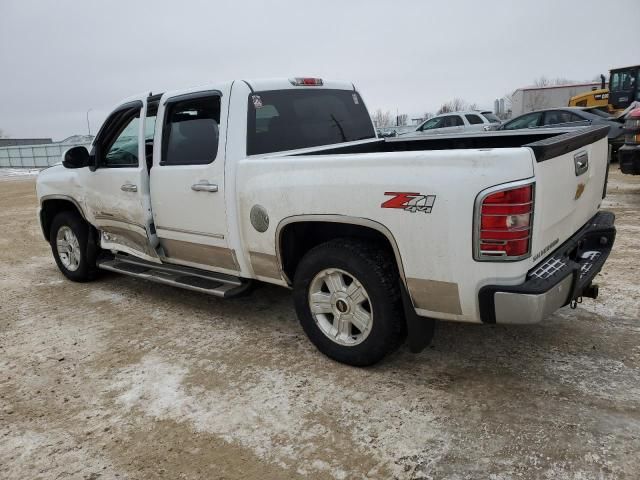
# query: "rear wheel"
72 249
347 297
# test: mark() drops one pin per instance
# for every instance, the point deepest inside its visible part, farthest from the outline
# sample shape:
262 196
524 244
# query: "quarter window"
191 131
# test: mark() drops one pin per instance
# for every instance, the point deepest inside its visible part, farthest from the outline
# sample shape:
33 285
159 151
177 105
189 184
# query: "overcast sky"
59 59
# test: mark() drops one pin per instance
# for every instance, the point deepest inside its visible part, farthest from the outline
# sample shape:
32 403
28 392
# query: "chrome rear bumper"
560 278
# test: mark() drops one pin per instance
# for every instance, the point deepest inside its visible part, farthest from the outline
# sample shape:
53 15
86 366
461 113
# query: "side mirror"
76 157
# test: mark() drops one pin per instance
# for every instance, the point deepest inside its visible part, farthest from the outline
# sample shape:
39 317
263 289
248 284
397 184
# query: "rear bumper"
564 276
629 158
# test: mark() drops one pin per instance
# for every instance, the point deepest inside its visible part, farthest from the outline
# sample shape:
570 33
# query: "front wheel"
72 249
347 297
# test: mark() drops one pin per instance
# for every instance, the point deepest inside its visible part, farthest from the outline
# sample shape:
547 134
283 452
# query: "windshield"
280 120
435 122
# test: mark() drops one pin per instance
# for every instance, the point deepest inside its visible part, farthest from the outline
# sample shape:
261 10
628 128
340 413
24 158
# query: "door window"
191 131
474 119
123 150
453 121
556 117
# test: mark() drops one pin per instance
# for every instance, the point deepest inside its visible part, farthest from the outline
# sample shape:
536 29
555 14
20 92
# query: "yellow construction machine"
623 90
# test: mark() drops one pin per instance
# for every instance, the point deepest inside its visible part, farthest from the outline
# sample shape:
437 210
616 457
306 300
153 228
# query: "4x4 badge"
410 201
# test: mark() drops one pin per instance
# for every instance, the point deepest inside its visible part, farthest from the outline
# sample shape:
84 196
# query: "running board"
217 284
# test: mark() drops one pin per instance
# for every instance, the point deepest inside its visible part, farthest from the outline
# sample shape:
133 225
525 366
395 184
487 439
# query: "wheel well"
296 239
51 208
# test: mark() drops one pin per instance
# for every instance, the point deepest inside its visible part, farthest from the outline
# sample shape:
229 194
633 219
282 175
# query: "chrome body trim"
520 308
478 254
190 232
364 222
44 198
114 218
63 197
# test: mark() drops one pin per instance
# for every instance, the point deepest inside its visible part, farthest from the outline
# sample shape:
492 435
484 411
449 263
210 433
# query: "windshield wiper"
344 137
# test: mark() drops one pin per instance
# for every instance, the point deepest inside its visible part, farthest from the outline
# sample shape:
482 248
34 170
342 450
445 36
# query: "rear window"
597 112
280 120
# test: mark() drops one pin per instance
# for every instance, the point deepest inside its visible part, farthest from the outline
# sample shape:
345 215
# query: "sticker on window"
355 99
257 101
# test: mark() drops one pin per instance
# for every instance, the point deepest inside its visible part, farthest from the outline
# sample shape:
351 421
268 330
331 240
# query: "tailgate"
571 172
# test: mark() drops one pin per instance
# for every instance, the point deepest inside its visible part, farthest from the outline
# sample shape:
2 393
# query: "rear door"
569 187
476 124
117 192
188 181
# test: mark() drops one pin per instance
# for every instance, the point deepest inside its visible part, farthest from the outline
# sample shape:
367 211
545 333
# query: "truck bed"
546 143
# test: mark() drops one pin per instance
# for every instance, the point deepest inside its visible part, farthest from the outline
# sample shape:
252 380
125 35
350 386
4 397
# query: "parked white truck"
285 182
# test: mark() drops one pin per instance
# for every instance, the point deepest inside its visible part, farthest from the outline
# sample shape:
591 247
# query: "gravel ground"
126 379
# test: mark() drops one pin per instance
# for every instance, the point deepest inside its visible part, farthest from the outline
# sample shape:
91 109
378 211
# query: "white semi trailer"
528 99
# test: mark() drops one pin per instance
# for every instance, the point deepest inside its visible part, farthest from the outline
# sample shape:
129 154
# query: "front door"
187 182
117 196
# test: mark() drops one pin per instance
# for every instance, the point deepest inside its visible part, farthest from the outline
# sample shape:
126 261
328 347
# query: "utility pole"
88 126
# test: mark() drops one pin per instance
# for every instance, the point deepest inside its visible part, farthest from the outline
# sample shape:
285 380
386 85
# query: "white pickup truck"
285 182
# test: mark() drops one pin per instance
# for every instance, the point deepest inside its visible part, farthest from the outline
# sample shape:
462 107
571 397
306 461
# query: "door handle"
581 162
204 187
129 187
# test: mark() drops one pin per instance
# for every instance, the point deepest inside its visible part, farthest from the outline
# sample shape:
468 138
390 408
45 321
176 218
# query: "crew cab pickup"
285 182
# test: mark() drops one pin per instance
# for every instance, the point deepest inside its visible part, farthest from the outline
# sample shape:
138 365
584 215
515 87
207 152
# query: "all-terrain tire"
375 270
87 250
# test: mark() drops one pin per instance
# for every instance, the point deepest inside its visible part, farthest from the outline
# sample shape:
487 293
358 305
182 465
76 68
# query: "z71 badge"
409 201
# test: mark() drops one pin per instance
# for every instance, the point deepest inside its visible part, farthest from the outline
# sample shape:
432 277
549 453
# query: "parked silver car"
458 122
570 117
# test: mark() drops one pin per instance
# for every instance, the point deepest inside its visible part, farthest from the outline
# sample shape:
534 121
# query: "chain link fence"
30 156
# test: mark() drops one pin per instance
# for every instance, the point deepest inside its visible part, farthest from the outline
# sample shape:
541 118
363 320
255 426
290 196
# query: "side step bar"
217 284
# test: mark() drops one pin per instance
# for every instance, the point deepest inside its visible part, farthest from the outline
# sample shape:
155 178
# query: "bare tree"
402 119
543 81
381 119
456 105
428 115
2 134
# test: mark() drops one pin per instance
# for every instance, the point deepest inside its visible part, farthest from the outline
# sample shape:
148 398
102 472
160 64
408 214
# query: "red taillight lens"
504 228
299 81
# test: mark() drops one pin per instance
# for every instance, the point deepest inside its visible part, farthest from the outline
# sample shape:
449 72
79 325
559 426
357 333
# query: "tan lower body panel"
197 253
265 265
128 238
435 296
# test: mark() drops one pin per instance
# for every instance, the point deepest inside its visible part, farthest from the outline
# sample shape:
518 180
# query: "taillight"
312 82
632 128
503 220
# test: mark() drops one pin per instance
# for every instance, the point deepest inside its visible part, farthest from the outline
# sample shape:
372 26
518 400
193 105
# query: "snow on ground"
16 173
